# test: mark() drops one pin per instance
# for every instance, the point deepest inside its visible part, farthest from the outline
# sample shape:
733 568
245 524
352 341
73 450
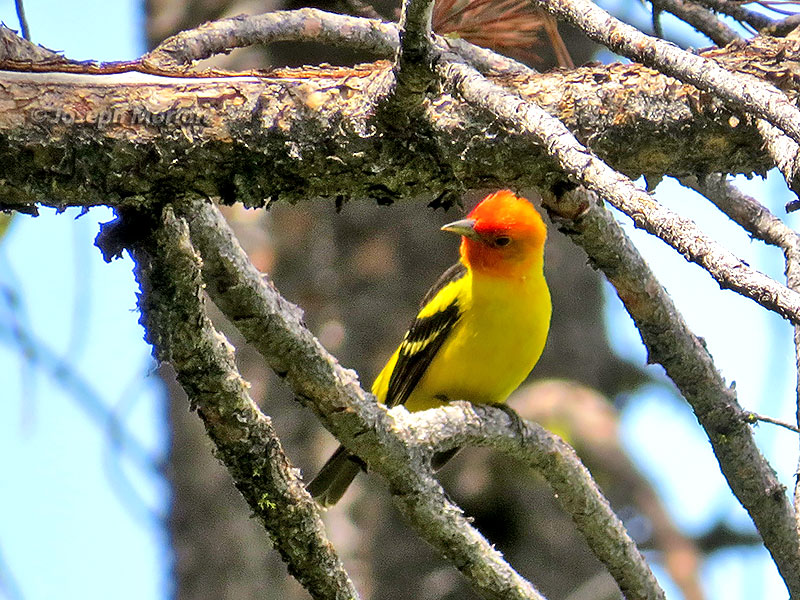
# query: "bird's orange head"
504 235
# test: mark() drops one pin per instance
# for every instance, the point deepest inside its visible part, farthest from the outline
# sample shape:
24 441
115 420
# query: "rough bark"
177 326
311 132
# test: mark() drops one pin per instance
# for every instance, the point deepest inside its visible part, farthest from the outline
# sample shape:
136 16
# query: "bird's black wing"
454 273
423 340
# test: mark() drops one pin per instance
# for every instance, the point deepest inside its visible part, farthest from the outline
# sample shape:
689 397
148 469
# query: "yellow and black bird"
481 329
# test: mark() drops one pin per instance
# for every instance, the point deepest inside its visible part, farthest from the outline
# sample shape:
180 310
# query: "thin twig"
740 89
655 19
483 59
23 22
740 13
701 19
176 324
773 4
752 418
747 212
275 328
307 24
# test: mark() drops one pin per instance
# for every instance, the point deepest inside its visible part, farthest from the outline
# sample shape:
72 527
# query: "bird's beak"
465 227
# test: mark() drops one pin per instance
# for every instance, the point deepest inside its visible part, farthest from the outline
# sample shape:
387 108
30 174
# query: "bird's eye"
501 241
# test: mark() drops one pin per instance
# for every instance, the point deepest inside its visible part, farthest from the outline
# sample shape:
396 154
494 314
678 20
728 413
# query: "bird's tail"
334 477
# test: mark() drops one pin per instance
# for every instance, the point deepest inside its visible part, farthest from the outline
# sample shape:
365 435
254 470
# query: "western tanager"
480 331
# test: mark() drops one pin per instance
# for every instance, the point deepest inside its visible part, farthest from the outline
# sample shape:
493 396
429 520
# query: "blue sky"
68 526
66 530
751 347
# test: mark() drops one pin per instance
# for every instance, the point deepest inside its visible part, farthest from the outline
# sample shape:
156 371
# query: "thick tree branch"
739 89
333 150
670 343
274 327
173 315
114 139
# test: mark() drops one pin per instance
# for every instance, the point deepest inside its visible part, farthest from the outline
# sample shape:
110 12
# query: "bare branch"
310 25
687 362
755 418
484 60
762 224
305 24
412 68
741 13
746 211
699 18
176 324
274 327
23 22
740 89
415 22
460 424
784 152
783 27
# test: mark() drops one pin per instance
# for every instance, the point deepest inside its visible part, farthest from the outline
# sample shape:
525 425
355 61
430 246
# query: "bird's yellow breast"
491 349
